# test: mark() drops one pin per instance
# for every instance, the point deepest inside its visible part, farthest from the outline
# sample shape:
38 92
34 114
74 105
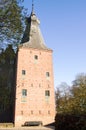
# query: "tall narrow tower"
35 99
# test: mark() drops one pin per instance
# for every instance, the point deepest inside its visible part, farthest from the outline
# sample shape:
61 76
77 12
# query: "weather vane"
32 5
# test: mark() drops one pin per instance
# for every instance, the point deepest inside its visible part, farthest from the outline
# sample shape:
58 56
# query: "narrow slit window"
21 112
39 112
32 112
31 85
49 112
39 85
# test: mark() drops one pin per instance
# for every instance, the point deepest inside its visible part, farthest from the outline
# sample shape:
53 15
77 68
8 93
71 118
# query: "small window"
47 74
36 57
47 93
23 72
24 92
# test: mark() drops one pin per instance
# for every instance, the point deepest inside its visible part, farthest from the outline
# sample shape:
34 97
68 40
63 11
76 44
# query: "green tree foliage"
7 70
62 98
78 92
75 101
70 122
71 107
11 21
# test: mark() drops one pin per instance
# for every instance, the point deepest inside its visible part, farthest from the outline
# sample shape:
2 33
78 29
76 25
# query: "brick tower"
34 98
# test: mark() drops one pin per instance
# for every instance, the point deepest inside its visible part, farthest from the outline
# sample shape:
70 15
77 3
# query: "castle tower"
35 99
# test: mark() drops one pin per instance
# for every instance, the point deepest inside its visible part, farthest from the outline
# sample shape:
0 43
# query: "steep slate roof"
32 37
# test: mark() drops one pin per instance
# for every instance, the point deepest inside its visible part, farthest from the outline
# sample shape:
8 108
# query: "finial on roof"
32 6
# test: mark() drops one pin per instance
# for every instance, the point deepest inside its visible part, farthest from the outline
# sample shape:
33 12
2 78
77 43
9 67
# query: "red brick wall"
35 106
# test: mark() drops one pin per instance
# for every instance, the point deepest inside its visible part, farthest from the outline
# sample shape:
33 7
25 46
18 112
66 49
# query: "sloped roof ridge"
35 37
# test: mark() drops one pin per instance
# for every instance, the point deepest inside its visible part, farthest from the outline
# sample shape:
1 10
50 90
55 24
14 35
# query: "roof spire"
32 6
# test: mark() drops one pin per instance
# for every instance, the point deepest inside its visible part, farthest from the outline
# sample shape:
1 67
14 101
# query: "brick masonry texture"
35 106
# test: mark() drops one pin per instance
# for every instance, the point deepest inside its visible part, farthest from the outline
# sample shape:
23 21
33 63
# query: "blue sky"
63 25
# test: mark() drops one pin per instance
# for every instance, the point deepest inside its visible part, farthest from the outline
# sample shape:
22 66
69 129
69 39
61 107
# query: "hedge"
70 122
